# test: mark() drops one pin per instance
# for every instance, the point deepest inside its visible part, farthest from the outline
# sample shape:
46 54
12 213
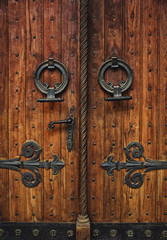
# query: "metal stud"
53 233
132 34
52 18
113 233
94 143
93 179
35 232
96 233
1 232
164 233
148 233
130 233
150 15
149 52
149 142
70 233
17 18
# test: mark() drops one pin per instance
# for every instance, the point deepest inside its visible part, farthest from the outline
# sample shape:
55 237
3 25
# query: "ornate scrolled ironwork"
133 179
31 150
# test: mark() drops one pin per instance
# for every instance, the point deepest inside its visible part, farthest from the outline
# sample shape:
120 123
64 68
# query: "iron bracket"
132 151
31 150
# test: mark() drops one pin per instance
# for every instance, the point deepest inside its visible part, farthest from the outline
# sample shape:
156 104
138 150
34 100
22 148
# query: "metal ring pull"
51 64
117 91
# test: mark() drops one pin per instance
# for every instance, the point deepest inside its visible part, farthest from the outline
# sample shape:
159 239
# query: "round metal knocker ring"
51 64
117 91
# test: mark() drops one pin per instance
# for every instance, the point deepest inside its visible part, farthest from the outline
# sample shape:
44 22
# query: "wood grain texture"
52 111
4 190
149 106
162 112
95 111
70 57
17 20
34 110
113 41
131 108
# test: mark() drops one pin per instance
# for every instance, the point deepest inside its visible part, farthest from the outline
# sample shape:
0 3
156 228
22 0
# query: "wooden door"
134 31
111 184
32 32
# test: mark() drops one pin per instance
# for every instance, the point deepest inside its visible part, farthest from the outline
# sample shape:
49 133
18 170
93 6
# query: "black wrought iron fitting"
70 129
51 92
31 150
116 91
133 151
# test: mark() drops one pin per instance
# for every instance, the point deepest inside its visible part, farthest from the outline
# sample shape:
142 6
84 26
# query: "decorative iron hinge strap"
31 150
133 150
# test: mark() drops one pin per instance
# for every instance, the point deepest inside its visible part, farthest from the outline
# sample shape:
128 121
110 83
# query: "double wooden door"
79 170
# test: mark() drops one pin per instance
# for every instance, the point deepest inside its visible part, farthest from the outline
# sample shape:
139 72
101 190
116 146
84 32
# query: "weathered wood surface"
33 31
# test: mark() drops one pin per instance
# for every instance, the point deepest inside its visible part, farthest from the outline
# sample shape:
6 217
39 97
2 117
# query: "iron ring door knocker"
117 91
51 64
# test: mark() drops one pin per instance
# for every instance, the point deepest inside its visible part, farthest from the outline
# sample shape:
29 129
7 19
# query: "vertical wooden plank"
162 137
113 110
131 109
16 15
95 111
52 139
4 198
34 110
70 57
149 106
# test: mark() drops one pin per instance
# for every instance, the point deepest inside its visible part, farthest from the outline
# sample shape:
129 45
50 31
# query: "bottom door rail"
31 150
132 151
37 231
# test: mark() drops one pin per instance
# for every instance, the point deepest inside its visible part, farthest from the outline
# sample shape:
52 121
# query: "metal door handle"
70 129
66 121
51 92
116 91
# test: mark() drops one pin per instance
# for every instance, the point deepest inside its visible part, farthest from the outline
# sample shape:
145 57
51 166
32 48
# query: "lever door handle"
70 129
69 120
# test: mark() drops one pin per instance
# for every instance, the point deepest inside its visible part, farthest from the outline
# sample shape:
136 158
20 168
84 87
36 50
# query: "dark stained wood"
52 111
131 108
70 57
4 190
113 41
16 18
34 110
148 135
162 108
95 111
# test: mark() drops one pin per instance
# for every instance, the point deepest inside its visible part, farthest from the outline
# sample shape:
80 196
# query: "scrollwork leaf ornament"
133 151
31 150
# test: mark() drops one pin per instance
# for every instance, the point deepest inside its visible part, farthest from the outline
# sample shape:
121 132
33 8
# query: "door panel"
133 30
39 30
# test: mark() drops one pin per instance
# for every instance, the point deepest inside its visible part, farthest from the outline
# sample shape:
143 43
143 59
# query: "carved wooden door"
83 119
